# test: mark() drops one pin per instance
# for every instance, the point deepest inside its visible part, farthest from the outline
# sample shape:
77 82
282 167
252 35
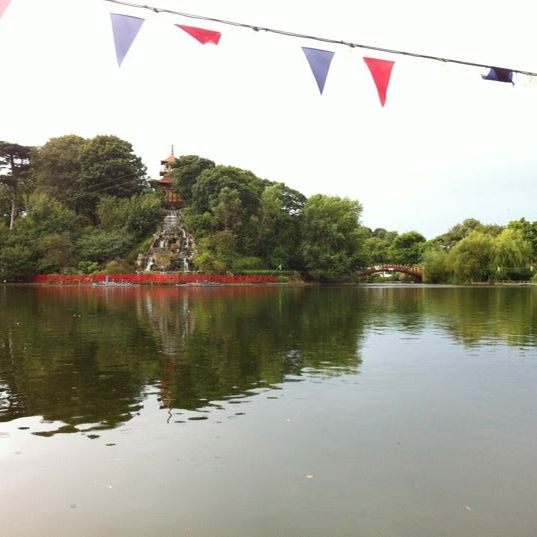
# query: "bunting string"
350 44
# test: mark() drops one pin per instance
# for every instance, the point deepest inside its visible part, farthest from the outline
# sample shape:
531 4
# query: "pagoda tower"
172 200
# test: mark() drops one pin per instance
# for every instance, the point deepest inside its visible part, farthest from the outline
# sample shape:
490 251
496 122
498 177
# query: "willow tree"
512 254
471 259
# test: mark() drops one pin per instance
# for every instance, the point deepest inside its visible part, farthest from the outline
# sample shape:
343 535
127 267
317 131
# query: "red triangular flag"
202 35
3 6
381 71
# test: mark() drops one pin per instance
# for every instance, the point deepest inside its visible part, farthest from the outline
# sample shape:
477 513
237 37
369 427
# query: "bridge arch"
415 272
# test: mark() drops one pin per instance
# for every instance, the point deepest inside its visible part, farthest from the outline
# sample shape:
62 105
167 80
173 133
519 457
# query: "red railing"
152 279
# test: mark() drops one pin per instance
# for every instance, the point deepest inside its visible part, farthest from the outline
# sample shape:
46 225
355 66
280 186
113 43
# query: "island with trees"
85 206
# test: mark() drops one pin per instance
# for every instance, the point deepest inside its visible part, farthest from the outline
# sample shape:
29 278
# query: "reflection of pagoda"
172 200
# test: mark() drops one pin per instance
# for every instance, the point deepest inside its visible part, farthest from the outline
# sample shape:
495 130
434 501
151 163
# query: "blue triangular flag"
125 29
499 74
319 61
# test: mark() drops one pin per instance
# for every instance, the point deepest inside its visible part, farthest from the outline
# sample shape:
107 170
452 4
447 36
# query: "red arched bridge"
415 272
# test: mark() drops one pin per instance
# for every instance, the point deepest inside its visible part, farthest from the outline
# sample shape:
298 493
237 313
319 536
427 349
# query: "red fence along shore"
153 279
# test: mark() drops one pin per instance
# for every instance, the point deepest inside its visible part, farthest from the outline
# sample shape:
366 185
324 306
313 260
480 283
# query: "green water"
268 411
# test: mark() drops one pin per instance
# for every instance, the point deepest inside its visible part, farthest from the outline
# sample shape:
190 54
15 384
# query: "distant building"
172 200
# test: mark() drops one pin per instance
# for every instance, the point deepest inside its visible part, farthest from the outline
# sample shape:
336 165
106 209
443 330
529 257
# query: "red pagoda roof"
171 158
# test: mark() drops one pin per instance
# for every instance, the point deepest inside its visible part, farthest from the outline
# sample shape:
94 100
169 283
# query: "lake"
394 411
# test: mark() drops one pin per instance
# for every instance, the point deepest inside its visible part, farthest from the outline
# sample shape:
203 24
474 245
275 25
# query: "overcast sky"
446 146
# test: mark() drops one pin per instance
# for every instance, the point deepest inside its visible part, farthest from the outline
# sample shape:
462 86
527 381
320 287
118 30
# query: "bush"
88 267
248 263
16 263
56 253
118 266
101 246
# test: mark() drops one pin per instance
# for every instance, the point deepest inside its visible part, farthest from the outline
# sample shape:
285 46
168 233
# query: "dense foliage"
243 222
483 253
79 205
73 205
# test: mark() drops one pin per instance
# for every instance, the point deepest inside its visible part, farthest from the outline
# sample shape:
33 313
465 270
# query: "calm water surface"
268 412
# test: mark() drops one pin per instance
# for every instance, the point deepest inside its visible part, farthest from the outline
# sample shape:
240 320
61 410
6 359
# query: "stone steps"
171 221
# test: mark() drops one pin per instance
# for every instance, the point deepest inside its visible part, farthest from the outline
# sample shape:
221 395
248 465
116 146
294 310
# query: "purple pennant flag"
125 28
319 61
499 74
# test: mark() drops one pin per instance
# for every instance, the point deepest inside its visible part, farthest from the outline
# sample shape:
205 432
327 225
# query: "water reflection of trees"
70 356
87 356
469 315
476 315
240 342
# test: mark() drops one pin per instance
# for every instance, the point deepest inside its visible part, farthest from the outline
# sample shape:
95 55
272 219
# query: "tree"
376 245
331 240
512 254
79 171
460 231
435 265
217 253
407 248
56 253
57 169
471 258
27 244
213 190
5 203
207 187
139 215
100 246
529 233
376 249
4 234
382 233
278 225
228 213
14 163
44 216
185 171
17 262
112 213
109 167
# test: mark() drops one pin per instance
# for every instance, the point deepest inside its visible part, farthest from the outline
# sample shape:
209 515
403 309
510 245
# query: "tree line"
77 205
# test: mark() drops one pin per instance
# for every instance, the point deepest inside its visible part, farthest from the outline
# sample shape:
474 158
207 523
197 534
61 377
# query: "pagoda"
172 200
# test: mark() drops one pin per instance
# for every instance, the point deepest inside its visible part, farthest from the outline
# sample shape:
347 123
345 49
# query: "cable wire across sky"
320 39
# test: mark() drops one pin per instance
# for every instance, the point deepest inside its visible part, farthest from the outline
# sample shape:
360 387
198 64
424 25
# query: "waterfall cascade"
172 248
